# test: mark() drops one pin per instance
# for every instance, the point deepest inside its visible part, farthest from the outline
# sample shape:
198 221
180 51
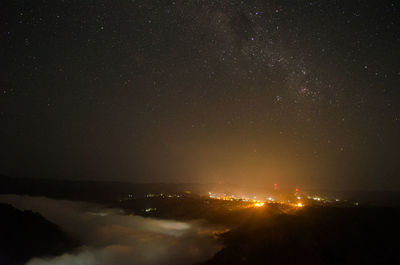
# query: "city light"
294 200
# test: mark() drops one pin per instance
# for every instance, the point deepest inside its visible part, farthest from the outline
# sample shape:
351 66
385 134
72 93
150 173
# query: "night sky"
300 93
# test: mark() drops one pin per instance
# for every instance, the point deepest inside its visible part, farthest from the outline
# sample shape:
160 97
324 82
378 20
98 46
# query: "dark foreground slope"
25 234
315 236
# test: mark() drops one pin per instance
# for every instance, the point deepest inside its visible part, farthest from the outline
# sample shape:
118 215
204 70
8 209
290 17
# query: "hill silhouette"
25 234
315 236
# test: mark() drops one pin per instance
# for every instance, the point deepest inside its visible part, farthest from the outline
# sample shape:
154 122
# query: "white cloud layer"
110 237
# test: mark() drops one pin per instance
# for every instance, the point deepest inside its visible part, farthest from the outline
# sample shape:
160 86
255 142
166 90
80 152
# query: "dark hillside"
315 236
25 234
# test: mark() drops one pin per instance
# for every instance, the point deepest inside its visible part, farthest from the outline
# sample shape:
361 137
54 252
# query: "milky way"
250 92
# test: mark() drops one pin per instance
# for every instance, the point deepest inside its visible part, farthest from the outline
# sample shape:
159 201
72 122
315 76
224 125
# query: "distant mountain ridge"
109 191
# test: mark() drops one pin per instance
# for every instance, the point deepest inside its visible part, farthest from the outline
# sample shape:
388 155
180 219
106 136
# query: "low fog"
110 237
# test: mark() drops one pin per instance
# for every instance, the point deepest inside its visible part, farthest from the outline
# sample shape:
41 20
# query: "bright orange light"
299 204
258 204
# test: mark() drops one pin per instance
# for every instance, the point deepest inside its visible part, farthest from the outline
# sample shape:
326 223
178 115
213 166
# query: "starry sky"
300 93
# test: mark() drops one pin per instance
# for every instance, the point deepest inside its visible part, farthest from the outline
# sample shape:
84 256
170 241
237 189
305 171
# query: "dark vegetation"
25 234
315 236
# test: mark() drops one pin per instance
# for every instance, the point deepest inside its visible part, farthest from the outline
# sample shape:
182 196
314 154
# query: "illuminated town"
156 202
297 199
